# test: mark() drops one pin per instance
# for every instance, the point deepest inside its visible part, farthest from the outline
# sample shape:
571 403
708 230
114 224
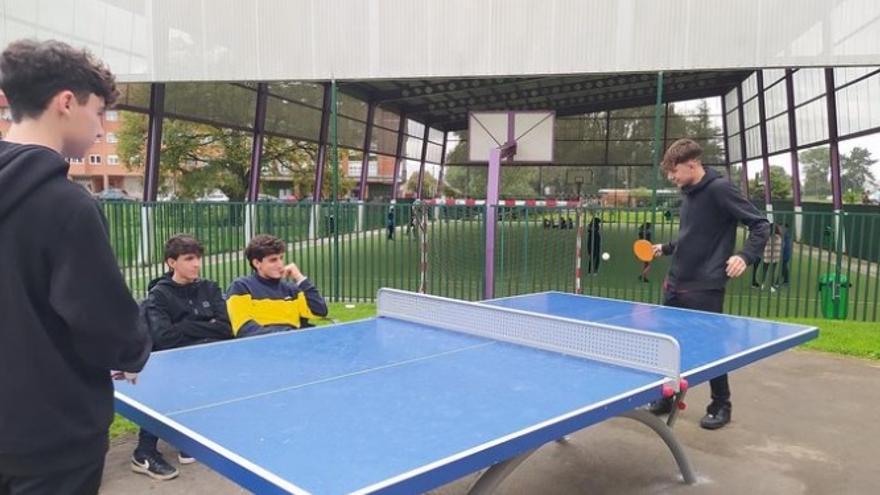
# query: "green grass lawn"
849 338
342 312
122 427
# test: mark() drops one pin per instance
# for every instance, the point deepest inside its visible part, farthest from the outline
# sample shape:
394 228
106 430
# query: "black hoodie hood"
711 175
20 177
166 280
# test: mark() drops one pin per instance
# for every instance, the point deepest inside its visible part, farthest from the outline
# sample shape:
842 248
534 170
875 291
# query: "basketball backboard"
532 130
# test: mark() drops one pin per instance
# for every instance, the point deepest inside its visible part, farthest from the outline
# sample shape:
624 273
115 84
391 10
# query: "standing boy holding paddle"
703 257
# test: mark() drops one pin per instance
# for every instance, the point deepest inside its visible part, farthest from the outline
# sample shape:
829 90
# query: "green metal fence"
345 248
853 216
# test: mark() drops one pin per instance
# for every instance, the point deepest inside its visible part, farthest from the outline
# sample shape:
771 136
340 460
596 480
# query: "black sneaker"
661 406
153 465
717 415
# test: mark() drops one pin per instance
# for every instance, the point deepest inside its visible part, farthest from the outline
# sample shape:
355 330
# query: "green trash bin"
834 295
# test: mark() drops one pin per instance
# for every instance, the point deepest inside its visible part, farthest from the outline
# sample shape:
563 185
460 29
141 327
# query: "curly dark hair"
181 244
33 72
263 245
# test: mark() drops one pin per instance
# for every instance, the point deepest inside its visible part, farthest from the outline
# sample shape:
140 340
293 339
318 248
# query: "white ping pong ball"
606 256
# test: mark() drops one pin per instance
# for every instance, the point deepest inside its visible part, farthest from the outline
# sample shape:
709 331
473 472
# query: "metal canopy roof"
445 103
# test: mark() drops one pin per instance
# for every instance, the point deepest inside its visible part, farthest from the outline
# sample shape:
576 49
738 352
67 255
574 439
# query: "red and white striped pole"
577 257
549 203
423 265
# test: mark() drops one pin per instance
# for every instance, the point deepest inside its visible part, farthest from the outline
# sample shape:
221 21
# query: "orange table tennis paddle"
643 250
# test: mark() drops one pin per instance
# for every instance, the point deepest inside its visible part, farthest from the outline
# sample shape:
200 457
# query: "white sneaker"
185 458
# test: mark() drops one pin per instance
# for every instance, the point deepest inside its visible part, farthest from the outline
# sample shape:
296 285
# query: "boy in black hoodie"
703 258
68 318
181 309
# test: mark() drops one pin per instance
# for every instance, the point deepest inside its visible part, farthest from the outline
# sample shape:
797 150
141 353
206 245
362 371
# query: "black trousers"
785 270
594 248
755 266
147 443
704 300
771 267
82 480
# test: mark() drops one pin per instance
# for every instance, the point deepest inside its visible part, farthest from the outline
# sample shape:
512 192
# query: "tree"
197 158
702 128
736 175
459 154
516 181
292 163
780 185
429 185
816 168
457 178
855 171
519 182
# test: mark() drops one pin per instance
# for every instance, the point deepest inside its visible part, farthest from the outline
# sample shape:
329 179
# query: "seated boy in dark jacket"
180 310
264 302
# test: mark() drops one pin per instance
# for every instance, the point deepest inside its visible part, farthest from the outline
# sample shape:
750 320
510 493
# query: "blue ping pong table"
433 389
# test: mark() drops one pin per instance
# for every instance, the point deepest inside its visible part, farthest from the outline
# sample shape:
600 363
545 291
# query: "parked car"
215 196
113 194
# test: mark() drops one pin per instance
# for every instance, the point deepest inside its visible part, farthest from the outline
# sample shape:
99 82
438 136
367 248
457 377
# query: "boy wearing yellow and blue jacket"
264 302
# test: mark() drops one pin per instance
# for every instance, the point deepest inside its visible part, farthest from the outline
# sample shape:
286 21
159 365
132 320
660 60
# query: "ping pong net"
621 346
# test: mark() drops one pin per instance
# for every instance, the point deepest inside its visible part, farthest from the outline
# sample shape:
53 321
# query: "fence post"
249 218
146 245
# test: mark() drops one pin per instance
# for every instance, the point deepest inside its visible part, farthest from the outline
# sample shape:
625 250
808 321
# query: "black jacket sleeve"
88 292
740 208
314 300
219 328
165 334
252 329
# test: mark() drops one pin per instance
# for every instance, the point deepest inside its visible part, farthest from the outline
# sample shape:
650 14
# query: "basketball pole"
507 150
500 146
